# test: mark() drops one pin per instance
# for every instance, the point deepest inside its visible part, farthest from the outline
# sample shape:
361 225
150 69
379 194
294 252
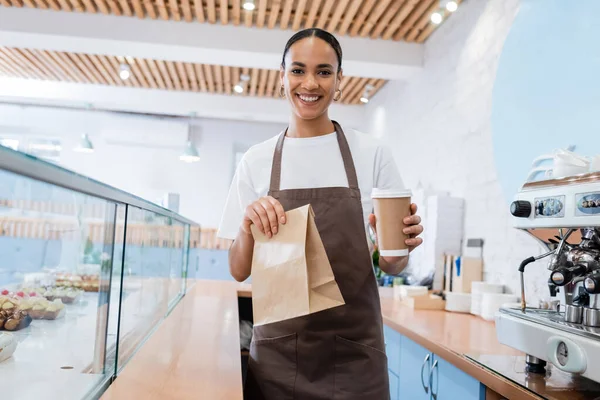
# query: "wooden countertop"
196 350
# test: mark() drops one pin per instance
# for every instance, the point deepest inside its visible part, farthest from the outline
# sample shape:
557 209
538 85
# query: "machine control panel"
549 207
587 204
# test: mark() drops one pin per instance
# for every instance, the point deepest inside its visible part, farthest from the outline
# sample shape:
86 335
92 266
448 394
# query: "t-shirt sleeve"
386 171
241 195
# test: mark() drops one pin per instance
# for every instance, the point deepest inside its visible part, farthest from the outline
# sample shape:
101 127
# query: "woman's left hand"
413 228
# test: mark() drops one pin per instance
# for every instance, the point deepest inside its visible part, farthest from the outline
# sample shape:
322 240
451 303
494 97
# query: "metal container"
591 317
573 314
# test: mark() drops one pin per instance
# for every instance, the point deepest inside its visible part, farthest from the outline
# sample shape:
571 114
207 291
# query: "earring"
281 91
338 96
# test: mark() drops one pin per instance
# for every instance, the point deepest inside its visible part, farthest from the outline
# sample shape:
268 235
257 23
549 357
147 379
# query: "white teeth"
308 99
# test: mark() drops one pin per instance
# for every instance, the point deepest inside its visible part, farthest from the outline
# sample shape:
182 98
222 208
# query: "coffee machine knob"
592 284
560 277
520 208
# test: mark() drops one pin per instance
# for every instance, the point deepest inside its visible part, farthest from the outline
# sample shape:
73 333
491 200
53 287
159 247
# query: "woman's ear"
281 75
340 76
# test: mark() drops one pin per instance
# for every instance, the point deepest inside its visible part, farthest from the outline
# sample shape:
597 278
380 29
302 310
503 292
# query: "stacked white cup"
477 291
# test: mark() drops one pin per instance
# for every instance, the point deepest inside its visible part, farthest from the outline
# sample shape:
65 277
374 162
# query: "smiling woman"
339 352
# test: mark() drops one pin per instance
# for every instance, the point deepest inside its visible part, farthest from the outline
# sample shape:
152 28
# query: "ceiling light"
239 88
451 6
190 154
436 17
249 5
366 94
364 99
124 71
85 145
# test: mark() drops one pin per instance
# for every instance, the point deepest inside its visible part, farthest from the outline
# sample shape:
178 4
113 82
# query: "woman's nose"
310 82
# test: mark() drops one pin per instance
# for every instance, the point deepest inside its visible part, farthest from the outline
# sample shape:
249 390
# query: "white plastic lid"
390 194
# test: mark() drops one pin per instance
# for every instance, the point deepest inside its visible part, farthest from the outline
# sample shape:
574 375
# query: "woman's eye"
325 72
296 71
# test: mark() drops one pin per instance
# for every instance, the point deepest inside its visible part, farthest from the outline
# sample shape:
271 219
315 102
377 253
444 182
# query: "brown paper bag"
291 274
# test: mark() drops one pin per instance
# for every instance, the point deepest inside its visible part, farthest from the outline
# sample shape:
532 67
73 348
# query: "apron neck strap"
344 149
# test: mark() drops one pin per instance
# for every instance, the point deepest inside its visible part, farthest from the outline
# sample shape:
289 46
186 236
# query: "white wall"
141 154
439 127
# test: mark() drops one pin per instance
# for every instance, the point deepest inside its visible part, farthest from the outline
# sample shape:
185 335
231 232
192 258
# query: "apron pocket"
360 371
273 364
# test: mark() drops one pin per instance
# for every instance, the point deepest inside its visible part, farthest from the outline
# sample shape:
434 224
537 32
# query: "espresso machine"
563 215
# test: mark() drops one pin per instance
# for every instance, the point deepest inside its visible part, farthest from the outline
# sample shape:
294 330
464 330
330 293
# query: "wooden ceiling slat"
41 4
358 88
149 7
286 14
112 71
324 14
37 61
191 74
137 8
80 66
108 77
146 73
356 98
352 82
17 3
299 14
65 64
421 23
224 11
4 71
162 10
312 13
87 63
248 17
201 78
5 3
174 8
227 79
89 6
272 83
349 16
77 6
54 5
360 19
112 4
101 6
340 7
246 71
173 75
12 69
218 78
274 15
209 78
154 69
29 3
21 63
262 12
262 83
235 75
236 10
253 81
185 79
125 7
344 83
425 33
412 18
164 74
199 10
137 77
211 11
50 63
374 16
386 18
399 18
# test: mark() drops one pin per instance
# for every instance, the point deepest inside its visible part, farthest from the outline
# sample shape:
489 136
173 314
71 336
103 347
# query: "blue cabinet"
415 364
449 382
415 373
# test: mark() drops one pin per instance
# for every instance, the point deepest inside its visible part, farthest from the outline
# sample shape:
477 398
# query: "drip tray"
553 319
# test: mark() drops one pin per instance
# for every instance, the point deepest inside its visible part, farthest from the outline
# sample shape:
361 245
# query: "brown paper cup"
391 207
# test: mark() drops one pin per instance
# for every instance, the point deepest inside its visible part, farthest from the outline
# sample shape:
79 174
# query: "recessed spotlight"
451 6
436 18
124 71
249 5
238 88
364 99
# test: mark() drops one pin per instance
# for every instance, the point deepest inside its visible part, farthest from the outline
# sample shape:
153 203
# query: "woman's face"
310 77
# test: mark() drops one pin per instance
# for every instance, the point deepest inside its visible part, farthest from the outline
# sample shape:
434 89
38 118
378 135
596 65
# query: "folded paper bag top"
291 274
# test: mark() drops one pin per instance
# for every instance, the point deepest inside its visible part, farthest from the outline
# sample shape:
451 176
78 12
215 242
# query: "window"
46 149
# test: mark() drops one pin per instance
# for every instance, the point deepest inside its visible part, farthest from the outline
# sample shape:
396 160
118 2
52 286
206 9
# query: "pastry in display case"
87 272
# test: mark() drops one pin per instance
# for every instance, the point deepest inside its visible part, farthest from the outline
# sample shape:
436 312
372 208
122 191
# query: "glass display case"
87 272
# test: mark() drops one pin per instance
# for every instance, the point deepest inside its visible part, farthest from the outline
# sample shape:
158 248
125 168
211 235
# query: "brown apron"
338 353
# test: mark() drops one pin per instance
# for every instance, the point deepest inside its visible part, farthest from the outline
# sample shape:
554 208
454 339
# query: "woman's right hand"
266 213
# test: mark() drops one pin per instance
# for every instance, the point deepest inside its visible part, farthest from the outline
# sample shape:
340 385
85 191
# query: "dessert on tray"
8 345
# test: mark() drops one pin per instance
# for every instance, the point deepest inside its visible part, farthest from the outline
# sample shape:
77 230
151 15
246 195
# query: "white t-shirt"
309 163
